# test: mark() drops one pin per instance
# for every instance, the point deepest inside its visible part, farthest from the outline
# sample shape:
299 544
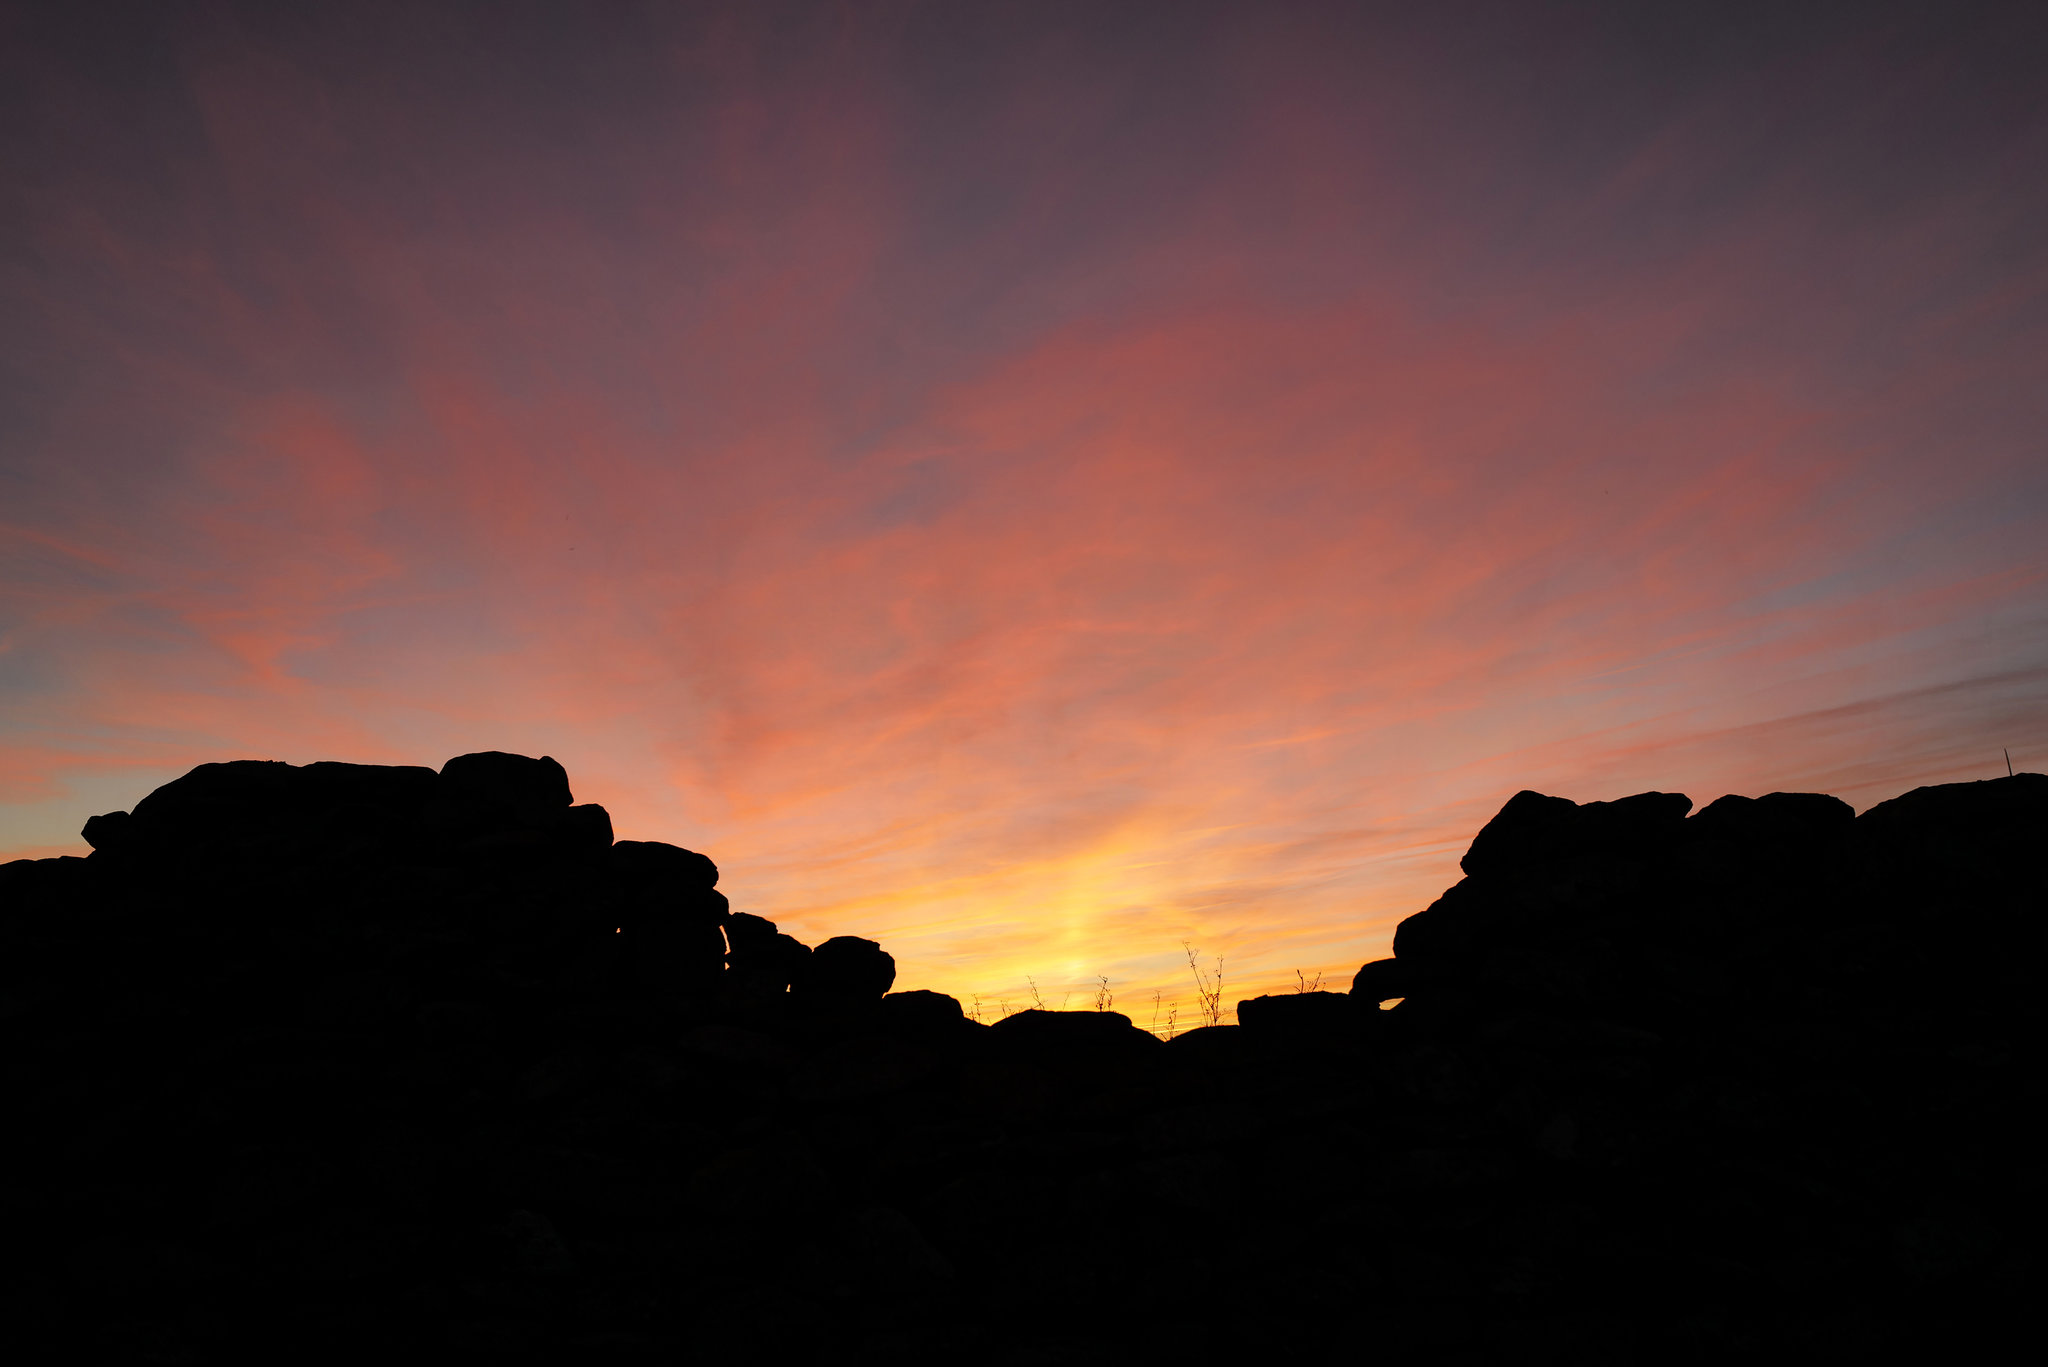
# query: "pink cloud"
1031 593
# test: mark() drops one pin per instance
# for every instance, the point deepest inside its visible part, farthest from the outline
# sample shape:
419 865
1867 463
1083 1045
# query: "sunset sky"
1033 483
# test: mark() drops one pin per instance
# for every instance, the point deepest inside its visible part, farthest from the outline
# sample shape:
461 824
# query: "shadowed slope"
384 1059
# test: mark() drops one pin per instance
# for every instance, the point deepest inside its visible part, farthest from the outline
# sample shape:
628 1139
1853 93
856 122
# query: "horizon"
1028 485
1211 1002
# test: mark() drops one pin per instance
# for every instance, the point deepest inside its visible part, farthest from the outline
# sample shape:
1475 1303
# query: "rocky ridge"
345 1058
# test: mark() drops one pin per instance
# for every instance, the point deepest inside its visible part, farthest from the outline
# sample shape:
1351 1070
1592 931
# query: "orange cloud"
1034 520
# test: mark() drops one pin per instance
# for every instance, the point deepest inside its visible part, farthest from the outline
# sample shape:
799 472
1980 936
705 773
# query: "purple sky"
1030 483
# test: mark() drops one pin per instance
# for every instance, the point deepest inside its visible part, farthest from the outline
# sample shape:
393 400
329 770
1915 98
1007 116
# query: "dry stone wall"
347 1058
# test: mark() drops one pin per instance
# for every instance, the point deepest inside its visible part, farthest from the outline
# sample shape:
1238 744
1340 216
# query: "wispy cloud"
1025 494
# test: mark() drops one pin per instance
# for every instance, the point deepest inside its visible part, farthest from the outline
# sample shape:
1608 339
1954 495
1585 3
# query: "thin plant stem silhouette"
1208 989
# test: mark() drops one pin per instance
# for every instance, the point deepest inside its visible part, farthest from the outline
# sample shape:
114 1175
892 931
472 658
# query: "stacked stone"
356 1059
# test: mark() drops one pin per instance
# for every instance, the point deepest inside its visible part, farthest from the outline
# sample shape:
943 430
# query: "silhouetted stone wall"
344 1058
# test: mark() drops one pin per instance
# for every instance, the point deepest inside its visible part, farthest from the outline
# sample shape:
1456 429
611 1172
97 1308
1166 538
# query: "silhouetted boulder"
1205 1042
112 831
514 783
761 959
749 934
1299 1018
921 1013
663 896
653 865
398 788
1057 1035
1998 823
235 809
1479 913
1544 872
587 829
213 795
494 805
1533 829
1384 979
1966 858
1782 818
271 812
845 968
1632 825
31 886
1530 828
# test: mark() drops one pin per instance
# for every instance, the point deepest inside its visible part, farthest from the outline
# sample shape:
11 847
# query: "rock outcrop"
345 1059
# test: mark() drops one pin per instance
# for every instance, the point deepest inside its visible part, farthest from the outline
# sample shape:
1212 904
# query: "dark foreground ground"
350 1061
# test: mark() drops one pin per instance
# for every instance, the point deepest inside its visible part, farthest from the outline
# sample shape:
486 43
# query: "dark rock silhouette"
1300 1016
762 960
512 784
1071 1035
844 972
1775 819
1383 980
1533 830
345 1059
